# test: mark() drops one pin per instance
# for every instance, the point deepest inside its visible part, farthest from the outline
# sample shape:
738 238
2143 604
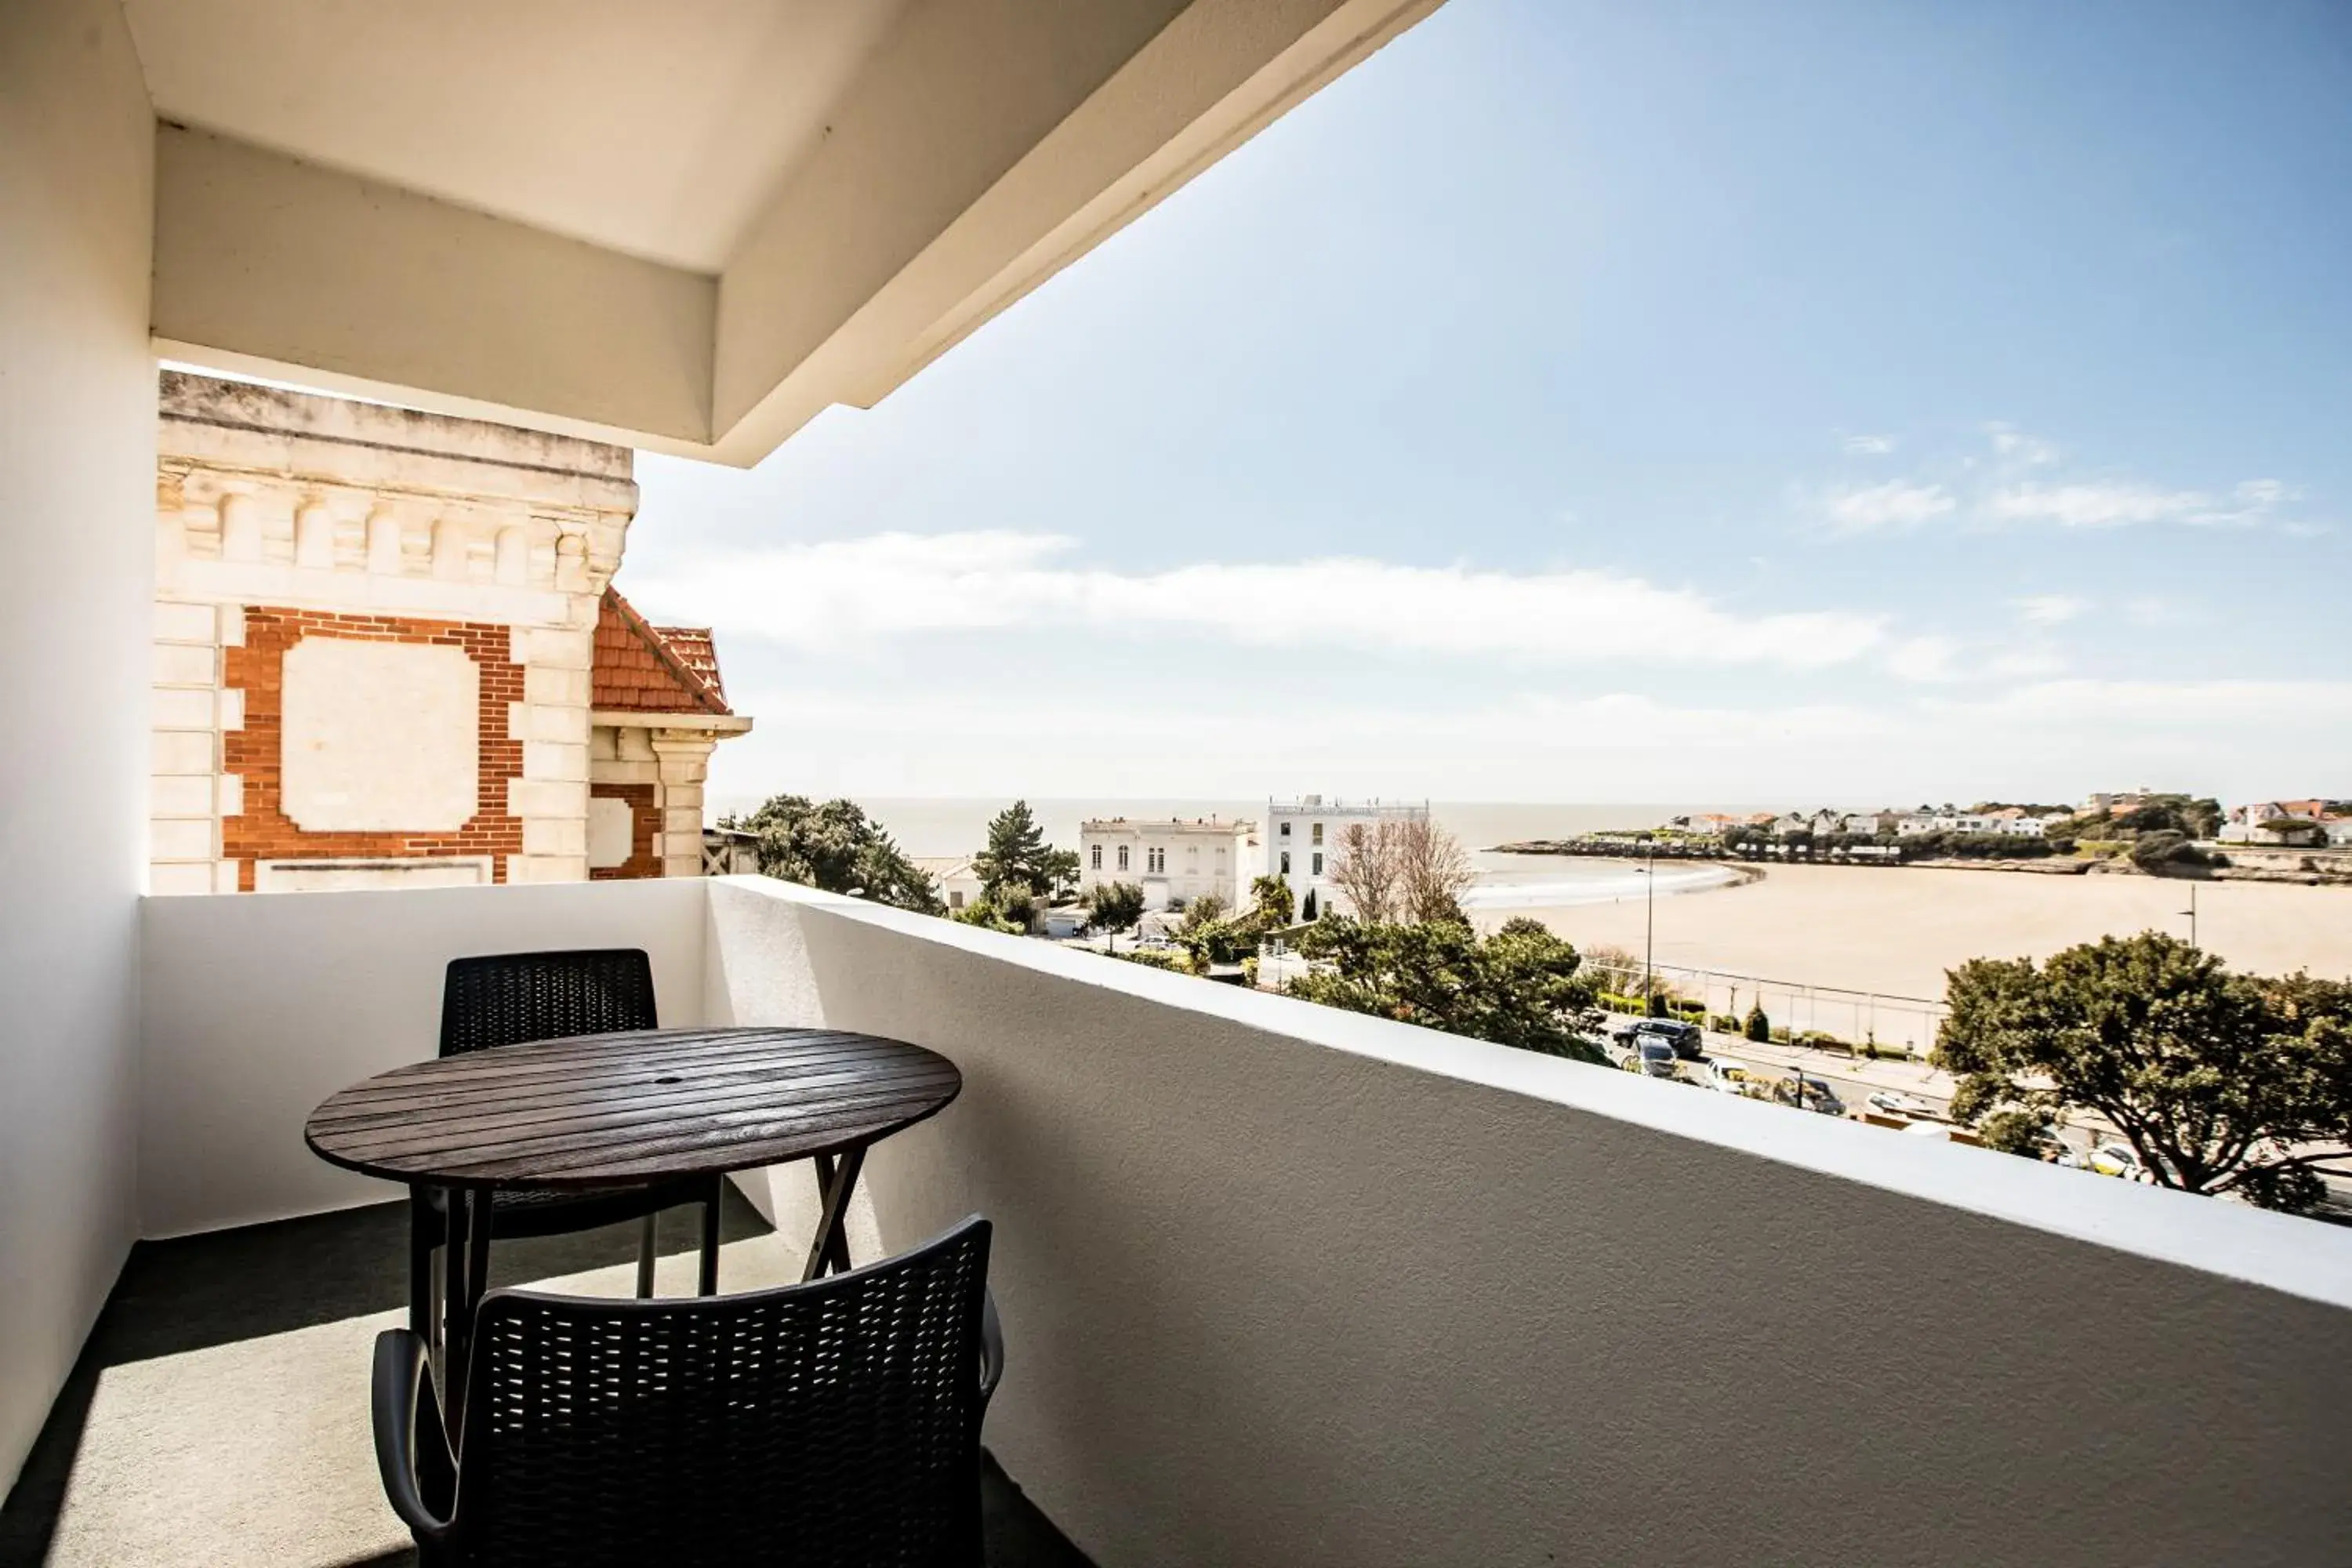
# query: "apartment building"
1302 839
1175 860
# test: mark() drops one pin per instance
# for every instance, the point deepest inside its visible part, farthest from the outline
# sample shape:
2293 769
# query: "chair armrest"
991 1348
406 1414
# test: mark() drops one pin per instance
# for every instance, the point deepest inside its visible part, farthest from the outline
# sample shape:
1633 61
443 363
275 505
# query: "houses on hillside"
2313 823
2293 823
2009 820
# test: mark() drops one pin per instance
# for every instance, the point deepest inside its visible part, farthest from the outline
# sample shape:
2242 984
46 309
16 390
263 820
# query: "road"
1852 1079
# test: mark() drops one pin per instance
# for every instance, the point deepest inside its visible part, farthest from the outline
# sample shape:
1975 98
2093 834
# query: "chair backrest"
832 1422
506 998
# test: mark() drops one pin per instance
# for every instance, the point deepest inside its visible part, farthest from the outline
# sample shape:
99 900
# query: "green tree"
1270 902
1017 854
1116 906
2221 1083
1061 867
981 912
836 847
1757 1026
1518 987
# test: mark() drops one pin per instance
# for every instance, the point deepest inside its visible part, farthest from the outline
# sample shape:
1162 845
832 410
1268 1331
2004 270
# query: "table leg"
469 1270
829 1253
420 1265
707 1281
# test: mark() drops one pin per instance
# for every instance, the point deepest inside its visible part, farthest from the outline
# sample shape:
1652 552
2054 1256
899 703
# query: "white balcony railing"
1286 1285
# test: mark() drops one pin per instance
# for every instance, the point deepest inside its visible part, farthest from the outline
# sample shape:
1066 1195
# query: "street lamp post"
2191 912
1650 930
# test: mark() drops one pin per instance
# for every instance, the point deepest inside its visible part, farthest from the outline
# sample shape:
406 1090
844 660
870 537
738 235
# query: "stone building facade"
376 650
658 707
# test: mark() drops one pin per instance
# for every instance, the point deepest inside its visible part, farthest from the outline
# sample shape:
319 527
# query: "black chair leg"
708 1284
645 1237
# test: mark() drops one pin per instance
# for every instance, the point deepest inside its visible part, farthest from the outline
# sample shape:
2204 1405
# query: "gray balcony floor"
219 1413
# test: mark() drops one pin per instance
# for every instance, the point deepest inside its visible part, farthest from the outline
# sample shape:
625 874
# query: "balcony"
1282 1285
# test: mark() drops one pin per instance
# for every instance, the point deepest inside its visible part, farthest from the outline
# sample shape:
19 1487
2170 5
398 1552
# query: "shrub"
1173 959
1724 1023
1757 1027
1780 1036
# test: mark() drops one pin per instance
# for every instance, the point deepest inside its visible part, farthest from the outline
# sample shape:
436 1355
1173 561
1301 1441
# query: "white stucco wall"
1286 1285
257 1009
77 500
380 735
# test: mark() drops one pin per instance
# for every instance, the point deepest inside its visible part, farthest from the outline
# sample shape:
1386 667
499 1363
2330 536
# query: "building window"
1122 856
1285 862
955 899
1318 863
1097 856
1284 830
1155 859
1191 860
1319 833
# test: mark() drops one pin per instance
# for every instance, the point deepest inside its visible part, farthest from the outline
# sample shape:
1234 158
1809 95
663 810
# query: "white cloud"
2051 609
1893 504
898 584
2033 659
2102 504
1924 658
1870 446
2189 708
2015 446
2118 503
2148 610
2045 738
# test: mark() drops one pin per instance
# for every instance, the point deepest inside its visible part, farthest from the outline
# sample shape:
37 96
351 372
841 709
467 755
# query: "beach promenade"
1897 931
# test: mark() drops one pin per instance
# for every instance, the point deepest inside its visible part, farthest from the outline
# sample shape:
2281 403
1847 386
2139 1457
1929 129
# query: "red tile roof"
644 669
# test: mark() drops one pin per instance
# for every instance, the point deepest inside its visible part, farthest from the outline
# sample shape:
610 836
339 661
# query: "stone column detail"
685 759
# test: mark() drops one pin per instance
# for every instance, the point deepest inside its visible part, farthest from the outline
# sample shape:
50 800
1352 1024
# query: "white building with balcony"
1174 861
1302 839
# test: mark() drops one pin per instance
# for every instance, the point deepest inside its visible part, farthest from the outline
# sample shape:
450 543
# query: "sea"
940 826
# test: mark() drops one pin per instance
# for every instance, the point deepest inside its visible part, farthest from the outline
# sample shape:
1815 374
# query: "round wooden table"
607 1110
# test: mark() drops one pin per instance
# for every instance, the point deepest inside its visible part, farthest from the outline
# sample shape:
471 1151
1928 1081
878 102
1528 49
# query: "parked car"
1888 1102
2117 1160
1689 1040
1810 1093
2053 1150
1651 1056
1726 1076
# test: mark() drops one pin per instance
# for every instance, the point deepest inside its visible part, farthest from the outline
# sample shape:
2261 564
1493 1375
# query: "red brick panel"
645 832
263 832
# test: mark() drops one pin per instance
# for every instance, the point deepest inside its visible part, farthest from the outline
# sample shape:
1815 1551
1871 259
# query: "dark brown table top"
603 1110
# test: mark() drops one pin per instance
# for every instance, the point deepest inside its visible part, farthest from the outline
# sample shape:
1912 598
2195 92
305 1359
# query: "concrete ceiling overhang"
685 225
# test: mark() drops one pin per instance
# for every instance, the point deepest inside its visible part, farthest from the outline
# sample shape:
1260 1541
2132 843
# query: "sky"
1579 402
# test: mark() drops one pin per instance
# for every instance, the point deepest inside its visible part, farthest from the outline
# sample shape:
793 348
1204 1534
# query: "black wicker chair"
832 1422
505 999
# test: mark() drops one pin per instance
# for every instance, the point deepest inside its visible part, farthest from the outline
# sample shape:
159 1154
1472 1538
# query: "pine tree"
1017 854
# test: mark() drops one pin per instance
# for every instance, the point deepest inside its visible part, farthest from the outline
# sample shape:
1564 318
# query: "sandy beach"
1896 931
